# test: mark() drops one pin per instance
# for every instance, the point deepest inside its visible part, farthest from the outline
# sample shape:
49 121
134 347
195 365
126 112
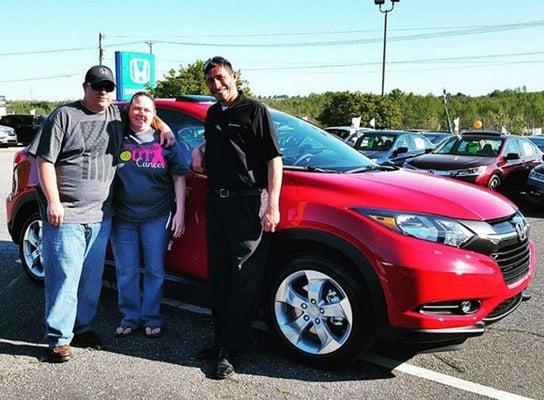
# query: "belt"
224 193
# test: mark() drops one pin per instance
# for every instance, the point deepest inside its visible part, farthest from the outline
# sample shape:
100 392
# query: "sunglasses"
107 86
217 60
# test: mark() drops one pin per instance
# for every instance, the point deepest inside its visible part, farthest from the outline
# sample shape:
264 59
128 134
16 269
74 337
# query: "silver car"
7 136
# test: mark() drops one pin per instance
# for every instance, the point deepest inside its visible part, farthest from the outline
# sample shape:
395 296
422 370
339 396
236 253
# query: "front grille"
513 258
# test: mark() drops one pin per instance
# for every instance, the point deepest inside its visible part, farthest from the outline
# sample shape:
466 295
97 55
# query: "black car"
538 140
535 184
390 147
26 125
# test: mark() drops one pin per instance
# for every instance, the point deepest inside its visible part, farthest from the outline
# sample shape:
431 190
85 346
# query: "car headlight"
533 174
469 171
426 227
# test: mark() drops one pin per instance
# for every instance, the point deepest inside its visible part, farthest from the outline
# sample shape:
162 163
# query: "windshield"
305 145
470 146
374 142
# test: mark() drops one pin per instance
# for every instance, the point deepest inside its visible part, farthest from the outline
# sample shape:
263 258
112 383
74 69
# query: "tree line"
514 109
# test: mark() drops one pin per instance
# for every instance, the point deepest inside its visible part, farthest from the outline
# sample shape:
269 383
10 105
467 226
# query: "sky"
284 47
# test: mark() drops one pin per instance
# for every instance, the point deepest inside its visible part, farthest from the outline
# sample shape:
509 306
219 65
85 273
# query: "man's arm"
197 158
167 136
271 216
178 220
48 182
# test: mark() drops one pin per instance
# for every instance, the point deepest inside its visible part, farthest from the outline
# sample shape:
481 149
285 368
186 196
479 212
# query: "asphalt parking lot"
507 362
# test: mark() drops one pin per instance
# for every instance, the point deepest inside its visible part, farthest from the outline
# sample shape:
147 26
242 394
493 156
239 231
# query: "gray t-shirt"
83 146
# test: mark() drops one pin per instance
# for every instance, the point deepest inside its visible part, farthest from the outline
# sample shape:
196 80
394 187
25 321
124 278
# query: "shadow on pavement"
21 334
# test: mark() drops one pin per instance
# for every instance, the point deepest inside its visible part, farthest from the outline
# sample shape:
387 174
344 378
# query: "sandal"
153 331
123 331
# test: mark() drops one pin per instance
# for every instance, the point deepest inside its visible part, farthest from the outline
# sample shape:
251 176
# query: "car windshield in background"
539 141
470 146
304 145
374 142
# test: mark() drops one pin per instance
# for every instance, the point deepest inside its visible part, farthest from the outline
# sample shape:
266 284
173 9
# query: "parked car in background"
391 147
342 269
7 136
538 140
26 125
343 132
490 159
535 184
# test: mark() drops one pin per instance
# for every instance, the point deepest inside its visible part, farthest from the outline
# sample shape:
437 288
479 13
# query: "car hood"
407 191
448 161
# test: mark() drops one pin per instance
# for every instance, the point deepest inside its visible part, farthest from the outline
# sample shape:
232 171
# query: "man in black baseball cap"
100 77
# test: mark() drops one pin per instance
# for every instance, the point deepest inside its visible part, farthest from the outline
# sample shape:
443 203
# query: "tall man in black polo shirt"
243 163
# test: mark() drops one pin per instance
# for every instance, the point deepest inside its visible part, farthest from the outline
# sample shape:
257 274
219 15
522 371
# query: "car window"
421 143
374 142
512 147
404 141
527 148
186 128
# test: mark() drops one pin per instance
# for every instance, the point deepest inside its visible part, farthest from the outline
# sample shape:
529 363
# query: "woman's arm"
178 220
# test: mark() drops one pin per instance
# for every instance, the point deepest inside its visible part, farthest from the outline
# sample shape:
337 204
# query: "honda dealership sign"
134 72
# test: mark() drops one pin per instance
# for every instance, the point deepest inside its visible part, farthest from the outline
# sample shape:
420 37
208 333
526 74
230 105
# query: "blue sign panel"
133 72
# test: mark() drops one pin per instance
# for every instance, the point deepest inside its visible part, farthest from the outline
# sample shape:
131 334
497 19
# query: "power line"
33 52
350 42
320 33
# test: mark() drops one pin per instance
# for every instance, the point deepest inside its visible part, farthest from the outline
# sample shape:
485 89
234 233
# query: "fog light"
464 307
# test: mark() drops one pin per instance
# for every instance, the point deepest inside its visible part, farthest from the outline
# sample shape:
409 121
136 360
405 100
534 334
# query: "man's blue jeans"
128 238
73 256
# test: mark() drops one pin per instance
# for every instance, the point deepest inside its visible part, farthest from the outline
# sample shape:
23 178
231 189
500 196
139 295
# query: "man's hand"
55 214
271 218
178 224
197 159
167 138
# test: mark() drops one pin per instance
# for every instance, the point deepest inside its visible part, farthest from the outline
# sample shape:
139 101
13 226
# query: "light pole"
384 11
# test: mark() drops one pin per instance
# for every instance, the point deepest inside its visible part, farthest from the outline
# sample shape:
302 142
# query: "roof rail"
483 133
196 98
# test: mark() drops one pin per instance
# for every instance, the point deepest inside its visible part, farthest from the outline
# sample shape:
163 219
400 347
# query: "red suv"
362 251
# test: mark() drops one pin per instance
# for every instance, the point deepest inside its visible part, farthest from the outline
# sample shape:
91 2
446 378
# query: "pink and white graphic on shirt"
146 155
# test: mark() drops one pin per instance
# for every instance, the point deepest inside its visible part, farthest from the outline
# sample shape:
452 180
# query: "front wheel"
30 247
494 182
320 311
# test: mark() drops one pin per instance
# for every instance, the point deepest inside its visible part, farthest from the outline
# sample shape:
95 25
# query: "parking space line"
385 362
444 379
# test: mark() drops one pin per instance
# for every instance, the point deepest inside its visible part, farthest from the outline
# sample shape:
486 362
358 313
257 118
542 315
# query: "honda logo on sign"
140 70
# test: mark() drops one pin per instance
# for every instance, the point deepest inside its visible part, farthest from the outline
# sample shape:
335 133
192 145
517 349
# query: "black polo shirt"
240 140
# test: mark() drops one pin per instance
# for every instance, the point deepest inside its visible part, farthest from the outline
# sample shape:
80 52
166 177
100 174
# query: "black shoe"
224 368
87 339
208 354
59 354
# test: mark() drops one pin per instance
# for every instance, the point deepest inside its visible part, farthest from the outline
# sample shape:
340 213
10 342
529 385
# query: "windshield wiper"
373 168
310 168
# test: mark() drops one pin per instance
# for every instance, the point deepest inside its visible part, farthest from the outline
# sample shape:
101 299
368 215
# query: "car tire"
327 324
494 182
30 247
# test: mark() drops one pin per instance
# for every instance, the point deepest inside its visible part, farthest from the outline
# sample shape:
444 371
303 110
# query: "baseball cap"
99 73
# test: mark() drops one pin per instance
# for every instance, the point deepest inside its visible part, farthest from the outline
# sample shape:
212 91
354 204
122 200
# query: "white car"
7 136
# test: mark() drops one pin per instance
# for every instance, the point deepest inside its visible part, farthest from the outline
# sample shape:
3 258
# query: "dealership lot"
508 360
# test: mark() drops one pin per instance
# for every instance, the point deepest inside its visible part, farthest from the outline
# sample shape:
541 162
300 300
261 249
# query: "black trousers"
237 249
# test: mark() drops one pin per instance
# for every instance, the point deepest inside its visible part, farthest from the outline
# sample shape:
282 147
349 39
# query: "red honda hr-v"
362 251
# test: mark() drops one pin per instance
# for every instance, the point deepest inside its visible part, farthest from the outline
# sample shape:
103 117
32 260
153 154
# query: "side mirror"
512 156
429 150
400 150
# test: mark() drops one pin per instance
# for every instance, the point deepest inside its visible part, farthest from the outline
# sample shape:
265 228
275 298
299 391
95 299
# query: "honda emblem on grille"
521 230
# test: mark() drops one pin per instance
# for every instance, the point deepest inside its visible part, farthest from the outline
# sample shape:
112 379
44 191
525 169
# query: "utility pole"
384 11
100 49
150 44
